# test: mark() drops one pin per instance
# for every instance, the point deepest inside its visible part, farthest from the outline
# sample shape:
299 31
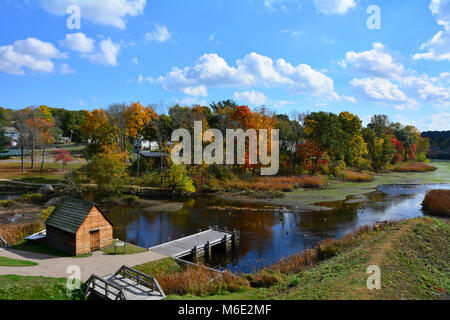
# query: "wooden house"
78 227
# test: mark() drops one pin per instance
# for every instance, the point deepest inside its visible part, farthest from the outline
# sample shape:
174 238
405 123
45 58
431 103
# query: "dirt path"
378 253
51 266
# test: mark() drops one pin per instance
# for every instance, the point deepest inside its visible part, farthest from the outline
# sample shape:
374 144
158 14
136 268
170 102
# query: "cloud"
135 61
78 42
105 12
377 62
160 34
196 91
106 54
66 69
438 48
251 97
435 122
334 6
211 70
389 82
380 90
30 53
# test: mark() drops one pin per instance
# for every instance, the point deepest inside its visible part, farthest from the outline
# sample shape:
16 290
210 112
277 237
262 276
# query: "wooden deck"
125 284
201 242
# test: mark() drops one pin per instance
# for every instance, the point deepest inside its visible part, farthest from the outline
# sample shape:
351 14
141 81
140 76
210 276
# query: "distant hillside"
440 144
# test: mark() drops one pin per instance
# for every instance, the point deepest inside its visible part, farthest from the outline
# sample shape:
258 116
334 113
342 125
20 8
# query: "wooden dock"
125 284
200 244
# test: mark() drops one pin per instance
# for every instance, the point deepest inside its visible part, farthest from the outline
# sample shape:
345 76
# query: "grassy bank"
413 256
14 287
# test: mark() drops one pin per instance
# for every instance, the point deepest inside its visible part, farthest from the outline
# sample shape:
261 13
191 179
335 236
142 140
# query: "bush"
47 212
263 279
338 169
437 203
357 177
414 167
178 179
33 198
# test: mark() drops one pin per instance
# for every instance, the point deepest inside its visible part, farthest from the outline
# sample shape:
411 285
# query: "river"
267 237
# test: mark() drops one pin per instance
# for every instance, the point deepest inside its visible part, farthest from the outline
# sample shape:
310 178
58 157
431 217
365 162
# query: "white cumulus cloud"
160 34
377 62
211 70
104 12
78 42
334 6
438 47
252 97
31 53
106 54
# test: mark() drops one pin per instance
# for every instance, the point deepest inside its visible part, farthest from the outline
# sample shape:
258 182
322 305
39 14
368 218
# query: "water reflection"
267 237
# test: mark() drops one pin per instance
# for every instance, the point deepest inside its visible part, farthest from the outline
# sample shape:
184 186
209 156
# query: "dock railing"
3 242
100 286
141 279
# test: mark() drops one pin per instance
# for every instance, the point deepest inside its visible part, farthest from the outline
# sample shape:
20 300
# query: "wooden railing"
95 283
141 279
3 242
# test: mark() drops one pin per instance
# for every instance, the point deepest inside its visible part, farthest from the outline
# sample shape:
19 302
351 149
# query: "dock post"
208 251
225 243
194 254
234 239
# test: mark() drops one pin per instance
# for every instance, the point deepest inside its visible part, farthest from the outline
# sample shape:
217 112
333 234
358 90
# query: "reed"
414 167
200 281
352 176
437 203
16 232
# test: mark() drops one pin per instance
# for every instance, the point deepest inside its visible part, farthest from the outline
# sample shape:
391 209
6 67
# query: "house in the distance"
78 227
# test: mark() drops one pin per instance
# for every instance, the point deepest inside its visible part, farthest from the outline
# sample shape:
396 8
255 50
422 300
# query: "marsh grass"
437 203
285 184
414 167
16 232
199 281
352 176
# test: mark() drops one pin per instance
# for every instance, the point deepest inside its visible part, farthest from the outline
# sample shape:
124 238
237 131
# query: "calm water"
10 196
267 237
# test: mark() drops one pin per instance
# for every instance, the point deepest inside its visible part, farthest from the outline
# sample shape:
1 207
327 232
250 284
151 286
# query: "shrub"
357 177
437 203
414 167
338 169
33 198
47 212
264 279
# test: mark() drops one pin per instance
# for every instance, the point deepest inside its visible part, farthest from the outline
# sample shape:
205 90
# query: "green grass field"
7 262
129 249
13 287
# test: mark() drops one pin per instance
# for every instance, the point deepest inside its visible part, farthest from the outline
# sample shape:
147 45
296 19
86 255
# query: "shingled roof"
70 214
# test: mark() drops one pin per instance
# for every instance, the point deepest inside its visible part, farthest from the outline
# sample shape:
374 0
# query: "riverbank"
413 257
315 199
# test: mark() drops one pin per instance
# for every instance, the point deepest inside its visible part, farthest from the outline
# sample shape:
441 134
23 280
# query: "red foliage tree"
62 156
312 158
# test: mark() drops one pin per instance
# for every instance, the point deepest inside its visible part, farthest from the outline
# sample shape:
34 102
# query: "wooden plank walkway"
125 284
196 242
131 290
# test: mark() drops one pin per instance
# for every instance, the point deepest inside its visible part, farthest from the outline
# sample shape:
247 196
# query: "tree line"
310 143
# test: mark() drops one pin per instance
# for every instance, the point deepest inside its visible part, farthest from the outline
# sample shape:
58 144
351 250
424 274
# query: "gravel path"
56 267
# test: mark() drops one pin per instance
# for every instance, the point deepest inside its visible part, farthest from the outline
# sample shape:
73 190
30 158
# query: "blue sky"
290 55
